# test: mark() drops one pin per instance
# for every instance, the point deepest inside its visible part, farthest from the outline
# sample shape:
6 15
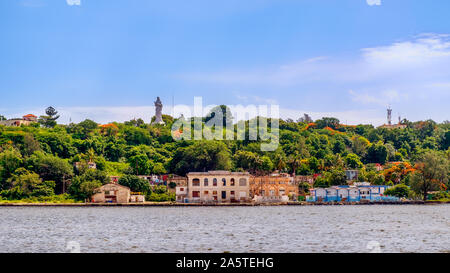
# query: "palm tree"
299 152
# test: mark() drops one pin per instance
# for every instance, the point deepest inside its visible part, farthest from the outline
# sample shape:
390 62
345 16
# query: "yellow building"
218 186
273 188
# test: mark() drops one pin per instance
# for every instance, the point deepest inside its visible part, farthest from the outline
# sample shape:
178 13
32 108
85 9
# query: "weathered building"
111 193
218 186
273 188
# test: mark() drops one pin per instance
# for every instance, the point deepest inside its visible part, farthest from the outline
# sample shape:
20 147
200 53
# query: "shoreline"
167 204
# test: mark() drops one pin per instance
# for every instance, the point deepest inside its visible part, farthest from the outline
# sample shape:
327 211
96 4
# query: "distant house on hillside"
90 165
352 175
25 120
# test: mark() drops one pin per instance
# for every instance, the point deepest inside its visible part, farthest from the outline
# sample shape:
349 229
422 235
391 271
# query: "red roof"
29 116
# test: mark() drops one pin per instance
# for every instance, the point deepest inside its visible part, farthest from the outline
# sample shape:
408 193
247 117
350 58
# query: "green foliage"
353 161
377 153
201 156
49 120
432 171
400 190
24 183
138 148
135 183
84 185
50 167
10 161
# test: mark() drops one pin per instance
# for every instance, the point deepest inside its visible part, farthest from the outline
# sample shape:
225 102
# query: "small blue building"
355 193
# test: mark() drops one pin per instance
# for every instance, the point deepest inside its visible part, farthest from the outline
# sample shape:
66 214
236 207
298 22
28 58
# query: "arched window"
232 182
215 182
242 182
224 181
196 182
205 182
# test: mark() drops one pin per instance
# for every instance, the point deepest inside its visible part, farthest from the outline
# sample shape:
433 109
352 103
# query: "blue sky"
108 59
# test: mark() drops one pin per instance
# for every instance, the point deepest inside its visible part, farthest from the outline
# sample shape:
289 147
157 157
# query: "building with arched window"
233 187
273 188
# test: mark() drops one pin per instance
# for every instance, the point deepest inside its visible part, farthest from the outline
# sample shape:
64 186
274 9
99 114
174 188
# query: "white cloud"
383 98
373 2
73 2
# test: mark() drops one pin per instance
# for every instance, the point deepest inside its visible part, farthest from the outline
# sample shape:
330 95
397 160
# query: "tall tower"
389 115
158 112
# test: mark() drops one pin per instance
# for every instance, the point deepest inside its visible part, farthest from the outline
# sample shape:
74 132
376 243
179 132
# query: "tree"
359 145
83 129
353 161
158 168
49 120
223 112
337 177
135 183
30 184
328 122
432 171
30 145
84 185
377 153
2 118
201 156
10 161
400 191
51 167
297 152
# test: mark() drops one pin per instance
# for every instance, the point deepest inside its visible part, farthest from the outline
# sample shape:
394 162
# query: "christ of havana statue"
158 114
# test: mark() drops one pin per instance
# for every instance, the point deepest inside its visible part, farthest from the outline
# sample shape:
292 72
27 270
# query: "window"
224 195
195 194
232 182
214 192
232 193
181 189
196 182
205 182
205 192
215 182
242 182
224 181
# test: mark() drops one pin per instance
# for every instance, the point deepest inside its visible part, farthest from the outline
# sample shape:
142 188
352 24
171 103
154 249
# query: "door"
224 195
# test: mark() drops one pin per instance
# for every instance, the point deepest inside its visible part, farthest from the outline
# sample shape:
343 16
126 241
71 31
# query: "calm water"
219 229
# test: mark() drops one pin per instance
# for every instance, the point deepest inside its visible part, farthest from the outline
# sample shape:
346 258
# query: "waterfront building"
355 193
218 186
180 189
273 188
112 193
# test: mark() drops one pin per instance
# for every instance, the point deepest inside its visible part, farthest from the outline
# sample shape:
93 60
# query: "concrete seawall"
167 204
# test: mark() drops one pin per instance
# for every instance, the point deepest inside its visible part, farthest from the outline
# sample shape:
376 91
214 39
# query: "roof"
29 116
115 184
218 173
108 125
